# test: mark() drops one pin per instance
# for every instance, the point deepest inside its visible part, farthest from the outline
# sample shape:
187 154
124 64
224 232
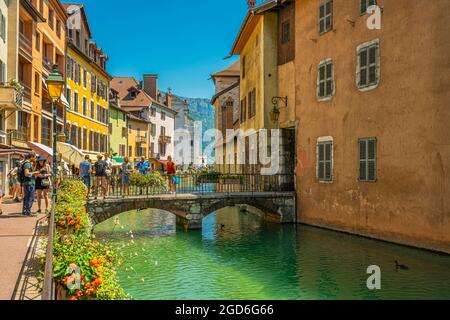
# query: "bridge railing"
199 183
48 288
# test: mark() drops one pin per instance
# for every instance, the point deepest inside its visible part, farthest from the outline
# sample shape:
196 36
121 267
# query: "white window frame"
333 86
361 47
322 140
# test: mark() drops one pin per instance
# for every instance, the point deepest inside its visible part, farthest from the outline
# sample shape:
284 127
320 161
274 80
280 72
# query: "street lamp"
275 113
55 85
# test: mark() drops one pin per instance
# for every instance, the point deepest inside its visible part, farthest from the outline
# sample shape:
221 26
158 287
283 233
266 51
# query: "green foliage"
153 180
75 249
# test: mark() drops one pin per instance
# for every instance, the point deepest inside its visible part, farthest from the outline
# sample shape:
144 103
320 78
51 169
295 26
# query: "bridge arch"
190 209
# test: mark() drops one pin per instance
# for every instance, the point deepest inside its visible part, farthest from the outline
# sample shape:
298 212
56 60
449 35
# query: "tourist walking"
27 177
126 171
85 172
100 176
108 172
171 171
43 182
15 190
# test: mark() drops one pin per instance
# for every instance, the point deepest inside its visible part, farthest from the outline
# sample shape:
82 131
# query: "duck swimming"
400 266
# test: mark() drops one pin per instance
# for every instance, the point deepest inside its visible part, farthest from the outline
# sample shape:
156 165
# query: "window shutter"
371 159
363 160
321 168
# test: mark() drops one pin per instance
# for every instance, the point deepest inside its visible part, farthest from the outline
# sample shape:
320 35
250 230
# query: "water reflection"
252 259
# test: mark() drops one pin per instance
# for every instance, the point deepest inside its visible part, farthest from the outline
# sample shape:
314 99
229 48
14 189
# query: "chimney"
169 99
251 4
151 85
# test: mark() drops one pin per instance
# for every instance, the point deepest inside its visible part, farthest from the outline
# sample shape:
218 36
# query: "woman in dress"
126 170
43 182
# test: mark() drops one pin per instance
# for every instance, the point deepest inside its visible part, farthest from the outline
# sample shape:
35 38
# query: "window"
163 131
286 31
130 151
85 139
325 16
85 79
84 106
325 84
92 113
153 129
75 101
252 103
37 44
243 109
69 97
98 112
2 27
58 28
37 81
368 159
163 116
366 4
2 71
325 160
51 18
133 94
153 112
243 67
368 68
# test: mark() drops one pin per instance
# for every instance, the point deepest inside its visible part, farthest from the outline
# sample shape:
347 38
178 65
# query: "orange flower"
87 285
100 260
79 293
94 262
73 222
78 218
69 218
98 282
73 298
62 223
78 227
100 269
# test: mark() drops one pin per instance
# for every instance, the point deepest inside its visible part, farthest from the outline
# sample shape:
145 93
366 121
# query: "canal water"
252 259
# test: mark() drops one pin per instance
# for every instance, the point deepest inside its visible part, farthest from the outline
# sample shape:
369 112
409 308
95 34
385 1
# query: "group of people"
31 177
102 171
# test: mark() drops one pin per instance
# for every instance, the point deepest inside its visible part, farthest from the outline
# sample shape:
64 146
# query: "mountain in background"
200 109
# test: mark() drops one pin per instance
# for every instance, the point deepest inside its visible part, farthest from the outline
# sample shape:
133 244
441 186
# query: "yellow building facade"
87 89
138 137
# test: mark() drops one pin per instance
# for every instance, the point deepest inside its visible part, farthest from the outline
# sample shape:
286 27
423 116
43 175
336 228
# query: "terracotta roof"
122 86
132 117
231 71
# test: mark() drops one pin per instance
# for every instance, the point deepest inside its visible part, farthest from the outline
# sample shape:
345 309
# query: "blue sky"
184 41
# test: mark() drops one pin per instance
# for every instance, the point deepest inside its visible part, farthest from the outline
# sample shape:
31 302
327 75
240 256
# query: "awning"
70 154
63 97
42 150
7 150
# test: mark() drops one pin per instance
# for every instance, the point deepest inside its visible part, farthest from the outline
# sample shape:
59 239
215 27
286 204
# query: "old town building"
373 123
87 121
226 102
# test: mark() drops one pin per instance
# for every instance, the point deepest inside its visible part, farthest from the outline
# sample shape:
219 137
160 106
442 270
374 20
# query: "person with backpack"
100 176
85 172
27 178
43 182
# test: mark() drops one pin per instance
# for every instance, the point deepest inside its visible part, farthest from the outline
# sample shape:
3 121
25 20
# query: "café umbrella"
70 154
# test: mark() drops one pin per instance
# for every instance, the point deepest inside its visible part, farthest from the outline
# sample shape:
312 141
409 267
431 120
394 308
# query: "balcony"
21 134
26 92
141 139
25 46
47 64
47 107
10 98
165 139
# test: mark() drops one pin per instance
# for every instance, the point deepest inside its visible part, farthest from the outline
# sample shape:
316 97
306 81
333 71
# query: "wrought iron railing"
21 134
198 183
48 288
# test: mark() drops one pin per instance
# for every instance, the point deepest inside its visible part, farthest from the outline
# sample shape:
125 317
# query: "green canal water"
252 259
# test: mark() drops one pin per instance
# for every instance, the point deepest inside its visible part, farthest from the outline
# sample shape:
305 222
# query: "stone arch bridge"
190 209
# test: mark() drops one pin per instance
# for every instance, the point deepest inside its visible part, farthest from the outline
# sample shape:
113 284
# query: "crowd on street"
31 178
